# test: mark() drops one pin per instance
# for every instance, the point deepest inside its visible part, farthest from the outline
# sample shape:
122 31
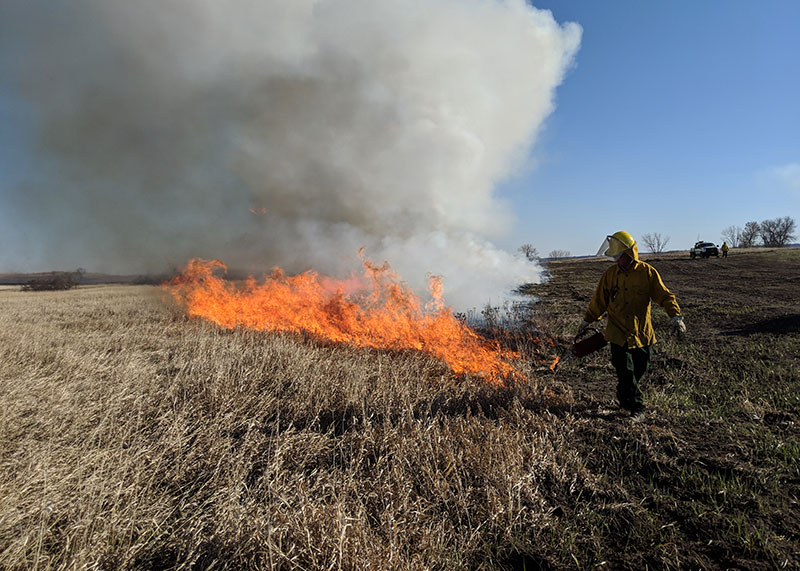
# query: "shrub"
54 281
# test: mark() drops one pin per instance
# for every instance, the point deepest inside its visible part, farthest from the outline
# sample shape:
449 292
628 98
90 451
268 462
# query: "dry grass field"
133 437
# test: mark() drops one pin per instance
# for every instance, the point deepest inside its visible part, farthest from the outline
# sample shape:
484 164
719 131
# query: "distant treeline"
60 280
54 281
774 233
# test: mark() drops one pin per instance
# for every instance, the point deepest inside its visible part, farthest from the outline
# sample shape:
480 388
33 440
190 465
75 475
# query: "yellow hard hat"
616 245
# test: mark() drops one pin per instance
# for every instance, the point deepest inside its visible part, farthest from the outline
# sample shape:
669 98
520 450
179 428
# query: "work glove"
678 326
582 327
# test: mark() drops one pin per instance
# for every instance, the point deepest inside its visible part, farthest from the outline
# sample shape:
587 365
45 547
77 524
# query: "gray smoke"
278 132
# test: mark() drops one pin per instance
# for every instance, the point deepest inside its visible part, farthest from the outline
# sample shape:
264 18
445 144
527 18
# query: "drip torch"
583 345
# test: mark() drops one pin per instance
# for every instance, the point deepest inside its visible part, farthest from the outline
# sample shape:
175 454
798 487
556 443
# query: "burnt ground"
710 478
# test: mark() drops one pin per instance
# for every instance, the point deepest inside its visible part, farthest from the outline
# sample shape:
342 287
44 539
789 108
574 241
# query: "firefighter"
724 249
624 292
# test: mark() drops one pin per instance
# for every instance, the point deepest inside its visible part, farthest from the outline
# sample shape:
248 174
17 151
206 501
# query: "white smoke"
286 133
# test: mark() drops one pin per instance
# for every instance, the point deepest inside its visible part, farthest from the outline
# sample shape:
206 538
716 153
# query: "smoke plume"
287 133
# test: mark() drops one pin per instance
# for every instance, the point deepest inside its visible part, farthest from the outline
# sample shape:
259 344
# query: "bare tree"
655 242
752 230
531 253
778 232
733 236
558 254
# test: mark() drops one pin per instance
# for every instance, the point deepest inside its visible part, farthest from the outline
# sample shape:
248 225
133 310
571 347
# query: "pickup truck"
704 250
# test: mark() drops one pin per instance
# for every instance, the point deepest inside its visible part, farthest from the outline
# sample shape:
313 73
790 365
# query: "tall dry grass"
134 438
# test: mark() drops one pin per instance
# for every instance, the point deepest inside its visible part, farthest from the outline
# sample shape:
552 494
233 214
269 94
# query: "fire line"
382 312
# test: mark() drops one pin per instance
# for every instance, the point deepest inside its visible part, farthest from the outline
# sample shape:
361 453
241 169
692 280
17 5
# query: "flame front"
377 311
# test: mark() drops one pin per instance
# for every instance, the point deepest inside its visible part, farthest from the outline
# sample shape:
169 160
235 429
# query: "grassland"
132 437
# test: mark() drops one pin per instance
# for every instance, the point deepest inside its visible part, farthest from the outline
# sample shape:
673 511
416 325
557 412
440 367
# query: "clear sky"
678 117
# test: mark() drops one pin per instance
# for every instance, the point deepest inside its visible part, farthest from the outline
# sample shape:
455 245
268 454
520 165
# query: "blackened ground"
711 478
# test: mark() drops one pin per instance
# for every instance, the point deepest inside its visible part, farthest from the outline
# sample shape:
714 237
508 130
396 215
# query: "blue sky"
678 117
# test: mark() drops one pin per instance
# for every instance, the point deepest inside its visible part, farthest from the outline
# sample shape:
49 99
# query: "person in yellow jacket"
624 292
725 249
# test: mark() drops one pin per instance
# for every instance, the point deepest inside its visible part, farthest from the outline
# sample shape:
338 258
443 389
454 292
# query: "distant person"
724 249
624 293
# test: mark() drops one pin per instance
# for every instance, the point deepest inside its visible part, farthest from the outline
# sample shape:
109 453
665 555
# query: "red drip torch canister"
589 344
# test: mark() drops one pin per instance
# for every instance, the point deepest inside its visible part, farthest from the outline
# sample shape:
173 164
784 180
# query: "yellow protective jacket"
626 296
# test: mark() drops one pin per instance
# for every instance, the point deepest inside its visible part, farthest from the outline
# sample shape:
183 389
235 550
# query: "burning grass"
375 310
134 437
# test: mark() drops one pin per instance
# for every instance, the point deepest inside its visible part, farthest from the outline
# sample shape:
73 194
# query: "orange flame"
553 366
376 310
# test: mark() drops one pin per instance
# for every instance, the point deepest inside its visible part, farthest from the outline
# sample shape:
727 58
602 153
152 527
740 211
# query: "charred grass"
132 437
714 469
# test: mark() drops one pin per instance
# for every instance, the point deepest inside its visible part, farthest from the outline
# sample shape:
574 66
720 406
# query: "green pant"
631 365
